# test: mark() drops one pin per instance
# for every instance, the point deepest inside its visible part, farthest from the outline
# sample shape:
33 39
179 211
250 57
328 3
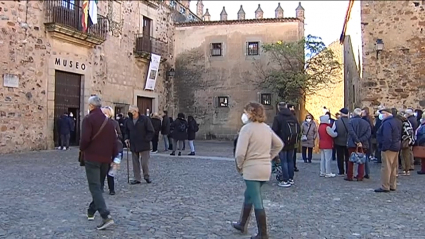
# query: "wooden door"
145 105
67 99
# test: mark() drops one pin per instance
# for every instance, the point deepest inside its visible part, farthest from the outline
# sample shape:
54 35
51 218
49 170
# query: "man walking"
139 134
65 128
286 126
389 135
165 130
340 141
98 144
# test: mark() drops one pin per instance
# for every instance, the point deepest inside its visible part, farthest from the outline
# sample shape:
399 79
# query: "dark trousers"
170 140
155 140
334 154
64 142
110 180
342 158
378 153
295 158
350 168
95 172
307 154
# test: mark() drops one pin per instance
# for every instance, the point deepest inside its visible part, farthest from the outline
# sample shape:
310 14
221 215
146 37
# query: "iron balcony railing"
148 44
68 14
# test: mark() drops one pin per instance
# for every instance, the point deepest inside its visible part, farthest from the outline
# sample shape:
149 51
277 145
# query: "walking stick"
128 168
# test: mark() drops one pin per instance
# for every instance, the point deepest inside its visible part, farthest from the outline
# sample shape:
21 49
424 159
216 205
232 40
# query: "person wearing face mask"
308 138
390 138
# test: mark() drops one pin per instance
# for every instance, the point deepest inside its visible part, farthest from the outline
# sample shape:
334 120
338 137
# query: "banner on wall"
152 72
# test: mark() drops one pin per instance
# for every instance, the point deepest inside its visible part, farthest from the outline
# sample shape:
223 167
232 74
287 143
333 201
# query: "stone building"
215 70
393 53
53 60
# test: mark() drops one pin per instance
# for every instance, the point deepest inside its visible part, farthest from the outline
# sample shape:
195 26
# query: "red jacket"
325 140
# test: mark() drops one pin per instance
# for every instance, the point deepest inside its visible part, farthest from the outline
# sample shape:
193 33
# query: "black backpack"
196 129
182 127
292 137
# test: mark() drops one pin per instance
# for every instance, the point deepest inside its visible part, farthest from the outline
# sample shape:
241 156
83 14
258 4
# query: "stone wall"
351 77
395 77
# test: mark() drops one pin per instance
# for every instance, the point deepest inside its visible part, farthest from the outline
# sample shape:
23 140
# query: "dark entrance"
145 105
67 99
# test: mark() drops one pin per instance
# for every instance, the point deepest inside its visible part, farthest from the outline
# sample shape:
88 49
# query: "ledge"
74 36
145 56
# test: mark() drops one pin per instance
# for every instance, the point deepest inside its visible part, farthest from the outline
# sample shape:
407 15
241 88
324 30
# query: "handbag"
304 136
419 151
81 153
358 156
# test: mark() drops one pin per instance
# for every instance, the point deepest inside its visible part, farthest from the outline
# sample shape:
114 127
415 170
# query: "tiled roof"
232 22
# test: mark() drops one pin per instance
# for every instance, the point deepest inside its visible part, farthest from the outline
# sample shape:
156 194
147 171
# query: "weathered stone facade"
394 76
111 69
212 63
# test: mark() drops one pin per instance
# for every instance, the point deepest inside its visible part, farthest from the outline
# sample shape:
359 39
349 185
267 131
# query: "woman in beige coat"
257 145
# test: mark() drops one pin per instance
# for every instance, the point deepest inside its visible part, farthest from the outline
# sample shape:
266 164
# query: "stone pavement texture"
45 195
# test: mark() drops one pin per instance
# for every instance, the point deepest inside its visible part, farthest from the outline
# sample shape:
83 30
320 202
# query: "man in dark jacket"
65 128
286 126
121 122
291 107
165 130
156 123
139 134
98 144
378 123
179 134
340 141
390 138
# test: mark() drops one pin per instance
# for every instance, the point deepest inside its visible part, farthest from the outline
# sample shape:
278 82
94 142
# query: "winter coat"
420 135
310 133
119 134
281 128
64 125
177 133
326 135
359 132
171 127
192 129
156 123
139 134
341 126
390 135
165 127
413 122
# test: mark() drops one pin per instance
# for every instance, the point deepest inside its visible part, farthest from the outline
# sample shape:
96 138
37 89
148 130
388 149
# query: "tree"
290 76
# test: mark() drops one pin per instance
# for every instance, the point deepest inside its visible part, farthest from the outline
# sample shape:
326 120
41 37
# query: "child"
326 144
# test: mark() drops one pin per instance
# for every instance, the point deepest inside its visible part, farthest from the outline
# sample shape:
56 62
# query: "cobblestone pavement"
45 195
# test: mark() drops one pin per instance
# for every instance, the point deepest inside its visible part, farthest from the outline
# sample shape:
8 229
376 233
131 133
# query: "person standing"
65 128
333 127
410 115
121 122
286 126
378 123
291 107
407 141
420 141
180 126
139 134
340 141
156 123
193 127
326 135
256 147
165 130
170 135
308 138
366 116
98 144
390 137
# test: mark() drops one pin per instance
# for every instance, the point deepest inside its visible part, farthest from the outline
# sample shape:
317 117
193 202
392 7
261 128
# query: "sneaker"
408 173
322 175
154 152
90 217
64 149
60 148
284 184
330 175
105 223
291 181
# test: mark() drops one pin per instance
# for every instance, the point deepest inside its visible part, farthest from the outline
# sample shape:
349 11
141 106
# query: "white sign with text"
152 72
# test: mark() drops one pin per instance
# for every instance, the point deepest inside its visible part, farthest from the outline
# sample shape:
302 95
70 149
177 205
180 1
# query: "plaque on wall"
10 80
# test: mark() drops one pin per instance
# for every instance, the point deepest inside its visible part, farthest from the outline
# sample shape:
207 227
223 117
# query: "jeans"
342 158
253 193
155 140
192 146
95 171
65 140
325 161
166 142
305 151
287 164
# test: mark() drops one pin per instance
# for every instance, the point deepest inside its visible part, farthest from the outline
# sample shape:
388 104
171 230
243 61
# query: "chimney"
241 14
259 13
299 12
200 8
279 11
207 16
223 15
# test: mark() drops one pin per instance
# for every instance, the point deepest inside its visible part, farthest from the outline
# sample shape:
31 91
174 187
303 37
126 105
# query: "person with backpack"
191 133
179 134
286 126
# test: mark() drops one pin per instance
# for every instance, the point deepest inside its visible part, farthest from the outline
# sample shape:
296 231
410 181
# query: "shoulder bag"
358 156
304 136
81 154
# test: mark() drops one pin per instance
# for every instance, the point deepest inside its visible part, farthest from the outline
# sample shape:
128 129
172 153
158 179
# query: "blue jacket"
390 135
65 125
359 132
420 135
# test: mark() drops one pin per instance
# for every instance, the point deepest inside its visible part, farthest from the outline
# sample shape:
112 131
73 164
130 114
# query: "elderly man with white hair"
359 133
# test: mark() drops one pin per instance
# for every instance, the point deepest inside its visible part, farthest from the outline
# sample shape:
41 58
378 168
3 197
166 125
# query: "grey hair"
95 101
357 112
133 108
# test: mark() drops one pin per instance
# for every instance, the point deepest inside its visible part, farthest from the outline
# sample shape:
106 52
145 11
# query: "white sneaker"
322 174
330 175
60 148
154 152
64 149
284 184
291 181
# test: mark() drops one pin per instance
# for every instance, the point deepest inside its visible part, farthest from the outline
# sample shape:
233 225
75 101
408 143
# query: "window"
216 49
223 101
252 49
173 4
70 4
182 10
266 99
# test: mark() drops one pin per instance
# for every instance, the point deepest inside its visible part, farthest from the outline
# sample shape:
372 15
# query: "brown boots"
260 216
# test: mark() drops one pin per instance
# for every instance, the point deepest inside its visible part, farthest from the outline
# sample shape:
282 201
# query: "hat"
385 110
409 112
324 119
344 111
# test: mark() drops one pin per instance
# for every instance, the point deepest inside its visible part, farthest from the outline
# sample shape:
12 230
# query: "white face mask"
308 120
381 116
415 114
244 118
71 115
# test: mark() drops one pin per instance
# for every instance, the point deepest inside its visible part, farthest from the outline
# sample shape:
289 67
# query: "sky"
322 18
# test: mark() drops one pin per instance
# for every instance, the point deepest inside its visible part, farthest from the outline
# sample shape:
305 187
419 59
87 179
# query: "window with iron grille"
253 48
182 10
216 49
223 101
266 99
173 4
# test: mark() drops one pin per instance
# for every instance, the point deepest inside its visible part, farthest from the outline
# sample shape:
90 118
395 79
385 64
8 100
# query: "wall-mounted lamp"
171 72
379 46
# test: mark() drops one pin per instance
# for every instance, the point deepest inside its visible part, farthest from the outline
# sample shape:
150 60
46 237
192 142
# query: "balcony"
145 45
64 21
